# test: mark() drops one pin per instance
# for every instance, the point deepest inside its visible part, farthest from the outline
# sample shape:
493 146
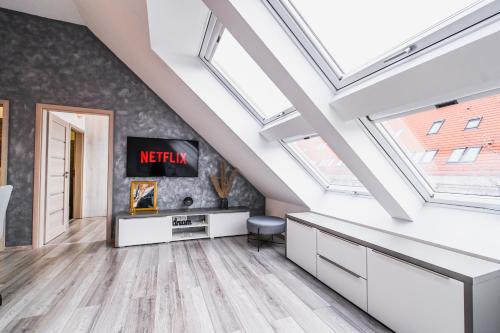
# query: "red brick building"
457 146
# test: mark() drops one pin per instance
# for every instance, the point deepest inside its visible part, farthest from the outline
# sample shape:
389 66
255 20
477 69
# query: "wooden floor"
78 284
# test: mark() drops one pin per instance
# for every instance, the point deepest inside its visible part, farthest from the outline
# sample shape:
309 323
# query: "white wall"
95 167
77 120
280 208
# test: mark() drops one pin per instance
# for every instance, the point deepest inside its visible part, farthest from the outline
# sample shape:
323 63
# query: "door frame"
37 240
5 141
78 190
5 162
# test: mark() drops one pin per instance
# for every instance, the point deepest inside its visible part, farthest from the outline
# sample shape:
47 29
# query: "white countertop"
460 266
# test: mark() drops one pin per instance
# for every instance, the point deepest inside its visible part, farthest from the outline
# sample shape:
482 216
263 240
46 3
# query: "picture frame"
143 196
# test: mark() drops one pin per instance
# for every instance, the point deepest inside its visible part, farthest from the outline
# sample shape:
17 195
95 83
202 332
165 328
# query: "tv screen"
148 157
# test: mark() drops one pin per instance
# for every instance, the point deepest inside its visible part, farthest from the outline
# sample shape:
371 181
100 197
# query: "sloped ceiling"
124 27
62 10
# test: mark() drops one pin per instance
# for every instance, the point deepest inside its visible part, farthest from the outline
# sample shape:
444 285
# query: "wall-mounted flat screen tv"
147 157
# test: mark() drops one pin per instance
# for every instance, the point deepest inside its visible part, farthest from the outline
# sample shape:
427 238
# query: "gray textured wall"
46 61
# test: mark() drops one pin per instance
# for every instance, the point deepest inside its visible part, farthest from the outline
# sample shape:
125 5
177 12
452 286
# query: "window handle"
404 52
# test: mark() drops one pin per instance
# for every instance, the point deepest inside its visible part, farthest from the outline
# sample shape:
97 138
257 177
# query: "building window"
464 155
241 74
435 127
460 163
456 155
346 52
428 156
423 156
322 162
473 123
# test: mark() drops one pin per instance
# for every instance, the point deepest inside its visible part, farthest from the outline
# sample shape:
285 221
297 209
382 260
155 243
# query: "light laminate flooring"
79 284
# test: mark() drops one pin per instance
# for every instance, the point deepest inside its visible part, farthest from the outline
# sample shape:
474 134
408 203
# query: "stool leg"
258 239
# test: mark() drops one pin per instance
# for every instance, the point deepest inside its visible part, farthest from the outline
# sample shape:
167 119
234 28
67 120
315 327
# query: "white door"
57 177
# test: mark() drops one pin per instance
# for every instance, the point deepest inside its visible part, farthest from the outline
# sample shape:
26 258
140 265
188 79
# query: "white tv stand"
150 228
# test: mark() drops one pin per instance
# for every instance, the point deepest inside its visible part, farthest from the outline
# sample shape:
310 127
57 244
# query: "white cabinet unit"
179 224
139 231
301 245
228 224
346 283
345 253
408 298
410 286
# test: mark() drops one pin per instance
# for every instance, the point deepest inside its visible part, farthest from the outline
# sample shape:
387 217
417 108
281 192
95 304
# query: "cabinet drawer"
228 224
301 245
138 231
411 299
343 252
345 283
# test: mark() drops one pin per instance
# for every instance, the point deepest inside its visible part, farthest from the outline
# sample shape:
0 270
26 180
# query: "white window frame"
352 190
479 119
440 122
412 174
211 38
463 23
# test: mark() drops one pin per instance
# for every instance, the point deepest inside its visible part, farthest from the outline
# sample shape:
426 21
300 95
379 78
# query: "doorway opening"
73 173
76 174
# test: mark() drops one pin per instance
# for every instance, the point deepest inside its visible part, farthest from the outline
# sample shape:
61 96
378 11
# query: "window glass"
428 156
473 123
417 156
456 155
436 126
318 156
463 162
250 81
356 32
470 154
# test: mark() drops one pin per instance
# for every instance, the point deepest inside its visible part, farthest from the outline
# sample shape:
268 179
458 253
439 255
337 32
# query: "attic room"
250 166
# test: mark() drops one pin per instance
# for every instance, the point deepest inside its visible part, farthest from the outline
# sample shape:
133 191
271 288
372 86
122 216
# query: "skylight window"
349 40
458 162
318 158
356 32
435 127
473 123
243 76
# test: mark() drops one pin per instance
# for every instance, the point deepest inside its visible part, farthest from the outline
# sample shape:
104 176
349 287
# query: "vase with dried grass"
223 184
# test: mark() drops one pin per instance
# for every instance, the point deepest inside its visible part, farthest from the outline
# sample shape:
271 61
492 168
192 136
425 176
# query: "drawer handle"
342 239
341 267
411 264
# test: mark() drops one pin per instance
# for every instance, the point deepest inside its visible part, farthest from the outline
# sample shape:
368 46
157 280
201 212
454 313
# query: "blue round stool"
265 226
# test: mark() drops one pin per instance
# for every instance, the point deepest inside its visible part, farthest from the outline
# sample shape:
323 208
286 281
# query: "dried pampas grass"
223 185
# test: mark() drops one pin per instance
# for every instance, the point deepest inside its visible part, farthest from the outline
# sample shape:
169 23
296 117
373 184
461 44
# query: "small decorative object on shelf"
181 220
188 201
223 184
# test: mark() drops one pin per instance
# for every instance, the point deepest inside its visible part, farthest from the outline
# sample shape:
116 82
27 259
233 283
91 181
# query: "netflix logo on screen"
148 157
163 157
